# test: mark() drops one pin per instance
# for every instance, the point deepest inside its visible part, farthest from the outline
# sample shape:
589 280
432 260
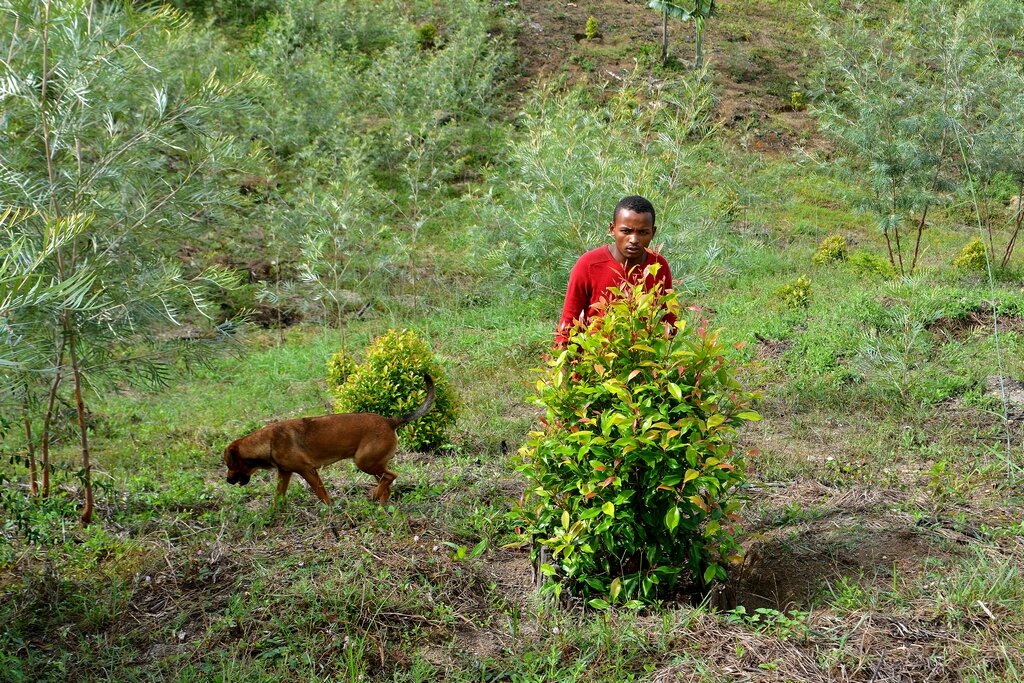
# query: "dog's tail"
397 422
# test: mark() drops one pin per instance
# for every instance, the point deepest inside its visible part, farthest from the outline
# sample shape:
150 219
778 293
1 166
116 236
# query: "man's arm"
666 282
577 301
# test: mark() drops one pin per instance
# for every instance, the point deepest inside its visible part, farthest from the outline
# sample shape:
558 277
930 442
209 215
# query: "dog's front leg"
313 479
283 478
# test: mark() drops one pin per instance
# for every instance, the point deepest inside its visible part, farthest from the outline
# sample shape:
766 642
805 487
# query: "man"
632 230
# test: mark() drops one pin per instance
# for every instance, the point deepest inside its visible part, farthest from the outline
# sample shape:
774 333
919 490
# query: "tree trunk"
899 248
987 220
888 245
664 37
33 474
917 244
1016 230
44 441
80 404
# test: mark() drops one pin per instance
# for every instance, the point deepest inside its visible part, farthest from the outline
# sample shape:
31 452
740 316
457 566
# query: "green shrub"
797 100
796 294
972 256
867 263
340 367
390 382
633 474
831 249
591 30
426 35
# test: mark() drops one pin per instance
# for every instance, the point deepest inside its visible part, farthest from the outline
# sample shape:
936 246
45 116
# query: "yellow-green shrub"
390 382
796 294
972 256
832 248
867 263
339 366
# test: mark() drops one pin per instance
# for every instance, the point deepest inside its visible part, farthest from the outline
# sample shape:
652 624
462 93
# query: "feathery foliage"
112 153
922 135
577 159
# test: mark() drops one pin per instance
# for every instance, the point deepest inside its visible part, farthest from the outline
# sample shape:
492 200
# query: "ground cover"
882 527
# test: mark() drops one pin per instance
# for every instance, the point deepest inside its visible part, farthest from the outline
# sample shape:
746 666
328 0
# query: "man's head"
636 204
632 228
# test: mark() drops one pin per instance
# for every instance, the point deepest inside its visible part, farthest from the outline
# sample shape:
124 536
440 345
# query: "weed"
784 625
796 294
831 249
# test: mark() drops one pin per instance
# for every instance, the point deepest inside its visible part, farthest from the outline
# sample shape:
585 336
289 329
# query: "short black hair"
637 204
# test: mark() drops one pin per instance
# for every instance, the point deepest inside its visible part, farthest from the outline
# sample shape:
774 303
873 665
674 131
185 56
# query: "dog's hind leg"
375 462
317 485
383 491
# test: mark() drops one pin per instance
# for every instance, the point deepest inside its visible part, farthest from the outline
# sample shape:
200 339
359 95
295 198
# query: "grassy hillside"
884 521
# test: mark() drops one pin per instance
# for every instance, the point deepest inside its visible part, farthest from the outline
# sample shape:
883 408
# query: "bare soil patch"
758 58
975 324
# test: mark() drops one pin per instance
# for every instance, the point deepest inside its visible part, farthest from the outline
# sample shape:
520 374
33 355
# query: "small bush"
633 474
390 382
340 367
426 35
867 263
831 249
972 256
591 29
797 100
796 294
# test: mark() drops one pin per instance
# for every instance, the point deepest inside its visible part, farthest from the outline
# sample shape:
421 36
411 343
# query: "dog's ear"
231 455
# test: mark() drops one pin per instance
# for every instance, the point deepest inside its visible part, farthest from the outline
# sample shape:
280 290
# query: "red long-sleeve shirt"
593 275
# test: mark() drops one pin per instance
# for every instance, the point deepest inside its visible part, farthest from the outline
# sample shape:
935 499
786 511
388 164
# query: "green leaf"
598 603
565 519
479 548
671 9
749 415
672 518
709 573
690 475
615 588
608 509
547 569
676 392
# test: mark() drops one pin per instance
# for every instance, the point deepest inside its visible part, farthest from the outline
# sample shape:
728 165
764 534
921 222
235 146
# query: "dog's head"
239 472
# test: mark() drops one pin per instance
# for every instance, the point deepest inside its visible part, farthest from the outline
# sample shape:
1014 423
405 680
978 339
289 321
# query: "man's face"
632 233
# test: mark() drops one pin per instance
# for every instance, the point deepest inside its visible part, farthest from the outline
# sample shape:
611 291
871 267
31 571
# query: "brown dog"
304 444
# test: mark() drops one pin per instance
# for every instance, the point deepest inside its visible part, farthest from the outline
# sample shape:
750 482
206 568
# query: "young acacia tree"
929 106
894 127
24 287
108 144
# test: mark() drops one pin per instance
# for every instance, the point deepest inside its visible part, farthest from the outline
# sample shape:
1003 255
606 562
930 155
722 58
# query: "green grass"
882 499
